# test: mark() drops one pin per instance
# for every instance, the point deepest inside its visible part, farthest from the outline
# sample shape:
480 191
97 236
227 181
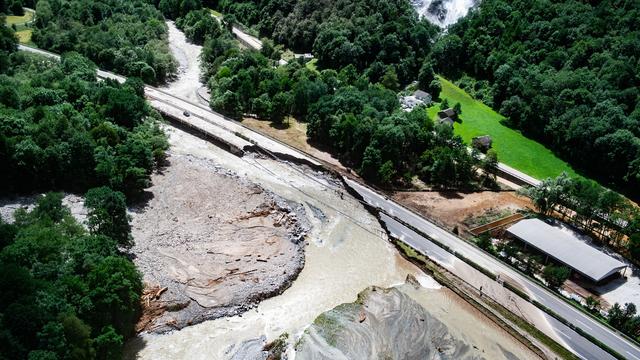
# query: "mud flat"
211 244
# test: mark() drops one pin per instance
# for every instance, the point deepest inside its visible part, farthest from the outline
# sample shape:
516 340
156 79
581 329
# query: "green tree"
108 214
633 245
549 193
371 163
115 288
387 173
457 108
390 79
592 303
426 76
555 276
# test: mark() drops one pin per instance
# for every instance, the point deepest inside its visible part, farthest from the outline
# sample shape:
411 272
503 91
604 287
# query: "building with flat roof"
567 249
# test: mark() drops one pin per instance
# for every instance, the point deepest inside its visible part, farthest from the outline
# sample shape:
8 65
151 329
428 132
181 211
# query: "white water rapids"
443 12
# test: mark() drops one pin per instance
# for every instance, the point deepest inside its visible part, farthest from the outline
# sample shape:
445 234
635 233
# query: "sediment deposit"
381 324
211 244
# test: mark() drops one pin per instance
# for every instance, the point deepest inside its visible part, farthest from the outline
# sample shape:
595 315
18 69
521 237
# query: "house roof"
421 94
566 248
447 113
484 140
447 120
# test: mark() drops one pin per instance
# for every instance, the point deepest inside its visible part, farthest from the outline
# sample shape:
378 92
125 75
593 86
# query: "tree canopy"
60 128
126 36
566 73
64 293
384 37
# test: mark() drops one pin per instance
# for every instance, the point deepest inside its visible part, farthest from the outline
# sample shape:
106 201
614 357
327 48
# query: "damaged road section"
210 244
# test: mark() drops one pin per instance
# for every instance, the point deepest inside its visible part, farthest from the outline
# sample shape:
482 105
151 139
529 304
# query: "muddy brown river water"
347 251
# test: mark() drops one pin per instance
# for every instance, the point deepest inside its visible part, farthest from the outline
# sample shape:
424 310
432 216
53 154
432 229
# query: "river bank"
347 251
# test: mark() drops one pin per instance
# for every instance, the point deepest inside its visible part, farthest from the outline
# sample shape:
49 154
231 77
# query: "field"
21 20
513 148
22 30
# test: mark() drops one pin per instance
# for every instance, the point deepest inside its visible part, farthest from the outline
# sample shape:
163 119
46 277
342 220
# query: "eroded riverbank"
211 244
347 252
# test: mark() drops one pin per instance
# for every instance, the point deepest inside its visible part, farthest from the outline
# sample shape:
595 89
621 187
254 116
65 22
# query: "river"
443 12
347 251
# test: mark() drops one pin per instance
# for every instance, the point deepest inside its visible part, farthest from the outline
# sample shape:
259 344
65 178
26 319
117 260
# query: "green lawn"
24 36
20 20
23 31
512 147
312 65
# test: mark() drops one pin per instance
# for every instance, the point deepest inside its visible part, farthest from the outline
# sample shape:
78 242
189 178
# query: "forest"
566 73
68 291
350 112
126 36
378 37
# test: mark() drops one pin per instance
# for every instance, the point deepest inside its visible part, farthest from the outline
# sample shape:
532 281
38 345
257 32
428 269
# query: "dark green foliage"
64 294
16 8
108 214
555 276
126 36
173 9
365 33
484 242
351 106
566 73
68 131
8 45
625 319
198 25
633 245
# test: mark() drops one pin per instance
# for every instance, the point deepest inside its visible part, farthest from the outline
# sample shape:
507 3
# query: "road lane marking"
580 356
585 325
633 356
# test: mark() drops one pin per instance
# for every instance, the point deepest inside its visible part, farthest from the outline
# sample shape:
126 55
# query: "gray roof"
447 113
566 248
421 94
449 121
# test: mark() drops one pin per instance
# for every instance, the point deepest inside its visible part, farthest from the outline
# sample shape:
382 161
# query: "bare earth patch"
295 135
453 209
210 244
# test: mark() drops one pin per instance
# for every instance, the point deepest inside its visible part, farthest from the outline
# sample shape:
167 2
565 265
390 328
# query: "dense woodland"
126 36
375 36
564 72
62 129
66 291
353 115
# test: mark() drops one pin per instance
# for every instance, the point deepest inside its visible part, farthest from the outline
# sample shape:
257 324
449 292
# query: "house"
422 96
448 113
482 143
449 121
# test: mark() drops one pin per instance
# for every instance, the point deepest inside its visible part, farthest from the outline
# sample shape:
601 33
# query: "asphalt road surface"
581 346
